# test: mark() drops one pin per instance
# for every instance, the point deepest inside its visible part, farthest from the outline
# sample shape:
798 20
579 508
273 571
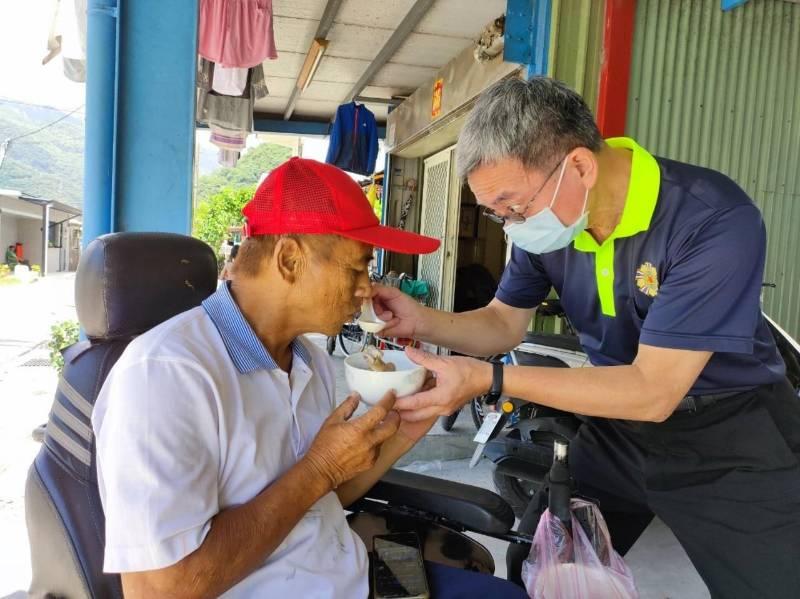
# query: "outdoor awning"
25 205
374 51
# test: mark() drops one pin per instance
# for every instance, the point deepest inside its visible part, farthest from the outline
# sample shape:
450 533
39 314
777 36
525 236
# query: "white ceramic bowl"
373 385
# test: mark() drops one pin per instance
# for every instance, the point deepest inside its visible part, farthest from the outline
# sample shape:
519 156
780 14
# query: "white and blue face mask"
544 232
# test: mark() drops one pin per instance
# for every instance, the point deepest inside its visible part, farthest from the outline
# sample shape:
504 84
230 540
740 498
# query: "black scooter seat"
475 508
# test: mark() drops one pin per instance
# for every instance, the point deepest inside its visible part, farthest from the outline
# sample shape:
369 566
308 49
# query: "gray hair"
536 122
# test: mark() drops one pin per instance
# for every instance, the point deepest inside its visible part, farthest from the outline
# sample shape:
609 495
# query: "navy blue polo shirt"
683 269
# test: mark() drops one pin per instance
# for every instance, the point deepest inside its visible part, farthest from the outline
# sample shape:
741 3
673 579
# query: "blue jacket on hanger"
354 139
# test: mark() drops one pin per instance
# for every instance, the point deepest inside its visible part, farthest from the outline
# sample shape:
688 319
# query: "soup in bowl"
406 379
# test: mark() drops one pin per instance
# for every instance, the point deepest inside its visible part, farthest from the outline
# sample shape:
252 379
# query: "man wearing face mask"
658 264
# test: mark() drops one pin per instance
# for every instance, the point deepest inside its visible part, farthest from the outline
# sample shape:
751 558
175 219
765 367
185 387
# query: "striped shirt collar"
244 347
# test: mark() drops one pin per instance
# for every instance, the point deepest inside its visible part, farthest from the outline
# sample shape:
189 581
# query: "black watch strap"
496 390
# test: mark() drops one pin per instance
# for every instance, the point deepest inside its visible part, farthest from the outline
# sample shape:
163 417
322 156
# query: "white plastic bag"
571 565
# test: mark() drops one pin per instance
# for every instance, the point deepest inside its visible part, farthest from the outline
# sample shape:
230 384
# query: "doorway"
481 255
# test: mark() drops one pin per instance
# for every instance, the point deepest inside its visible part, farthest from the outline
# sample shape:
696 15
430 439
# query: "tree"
222 210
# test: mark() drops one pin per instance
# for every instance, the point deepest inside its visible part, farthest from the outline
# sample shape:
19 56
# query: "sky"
24 26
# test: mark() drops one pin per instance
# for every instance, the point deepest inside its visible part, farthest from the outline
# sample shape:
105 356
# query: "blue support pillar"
140 121
528 34
155 115
100 123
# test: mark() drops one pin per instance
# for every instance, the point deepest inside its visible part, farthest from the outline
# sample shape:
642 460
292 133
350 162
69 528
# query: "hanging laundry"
230 81
231 112
228 139
236 33
354 139
258 83
205 74
228 158
67 36
256 78
230 118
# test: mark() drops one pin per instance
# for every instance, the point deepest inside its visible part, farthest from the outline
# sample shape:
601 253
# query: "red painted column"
615 72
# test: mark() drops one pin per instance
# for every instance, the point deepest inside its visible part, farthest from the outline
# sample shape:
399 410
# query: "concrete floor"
660 566
28 310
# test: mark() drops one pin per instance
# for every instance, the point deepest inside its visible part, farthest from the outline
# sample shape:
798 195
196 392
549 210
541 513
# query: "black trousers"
726 480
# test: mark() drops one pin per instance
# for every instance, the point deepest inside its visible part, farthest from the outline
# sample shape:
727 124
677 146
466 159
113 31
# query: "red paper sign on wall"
436 106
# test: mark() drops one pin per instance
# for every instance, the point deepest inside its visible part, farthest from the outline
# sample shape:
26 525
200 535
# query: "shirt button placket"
297 439
286 382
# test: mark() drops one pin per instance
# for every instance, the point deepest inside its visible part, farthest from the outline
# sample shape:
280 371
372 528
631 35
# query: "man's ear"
289 259
586 163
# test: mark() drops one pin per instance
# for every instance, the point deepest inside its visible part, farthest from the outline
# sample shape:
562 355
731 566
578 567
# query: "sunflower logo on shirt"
647 279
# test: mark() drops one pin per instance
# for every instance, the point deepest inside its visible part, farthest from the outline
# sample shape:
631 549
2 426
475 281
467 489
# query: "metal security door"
438 268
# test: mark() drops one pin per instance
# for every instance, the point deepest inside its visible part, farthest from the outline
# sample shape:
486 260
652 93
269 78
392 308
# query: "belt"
697 403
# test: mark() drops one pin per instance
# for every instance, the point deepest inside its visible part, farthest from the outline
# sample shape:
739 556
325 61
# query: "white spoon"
369 321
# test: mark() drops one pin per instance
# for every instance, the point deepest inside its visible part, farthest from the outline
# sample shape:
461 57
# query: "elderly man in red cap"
235 486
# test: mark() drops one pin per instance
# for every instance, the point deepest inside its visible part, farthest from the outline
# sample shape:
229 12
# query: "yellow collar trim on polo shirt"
640 203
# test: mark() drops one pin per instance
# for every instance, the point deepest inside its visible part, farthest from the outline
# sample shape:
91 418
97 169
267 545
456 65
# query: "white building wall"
54 260
30 234
8 231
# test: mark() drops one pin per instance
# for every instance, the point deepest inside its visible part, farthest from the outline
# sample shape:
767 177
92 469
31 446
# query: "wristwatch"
496 390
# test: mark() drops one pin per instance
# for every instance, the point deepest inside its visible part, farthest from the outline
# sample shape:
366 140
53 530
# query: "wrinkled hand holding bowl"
369 321
372 385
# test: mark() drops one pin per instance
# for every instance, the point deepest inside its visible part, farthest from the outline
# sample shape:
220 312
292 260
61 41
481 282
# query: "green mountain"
254 163
47 164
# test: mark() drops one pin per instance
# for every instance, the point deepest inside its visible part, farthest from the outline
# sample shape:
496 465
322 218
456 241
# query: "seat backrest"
126 284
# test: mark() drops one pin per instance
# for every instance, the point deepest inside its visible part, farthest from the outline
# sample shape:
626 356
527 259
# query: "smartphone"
398 571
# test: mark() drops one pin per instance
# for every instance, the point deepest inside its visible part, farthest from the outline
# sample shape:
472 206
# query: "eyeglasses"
514 216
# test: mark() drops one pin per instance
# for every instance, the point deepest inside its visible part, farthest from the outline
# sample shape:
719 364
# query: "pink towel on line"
236 33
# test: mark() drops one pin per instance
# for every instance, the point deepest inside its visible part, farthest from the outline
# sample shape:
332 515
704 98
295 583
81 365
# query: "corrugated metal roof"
359 31
720 89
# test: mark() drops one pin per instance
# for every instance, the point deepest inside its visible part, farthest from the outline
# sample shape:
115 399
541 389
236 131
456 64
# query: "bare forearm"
391 451
608 391
239 541
479 332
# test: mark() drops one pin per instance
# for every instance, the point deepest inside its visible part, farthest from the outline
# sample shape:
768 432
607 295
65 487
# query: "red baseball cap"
304 196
